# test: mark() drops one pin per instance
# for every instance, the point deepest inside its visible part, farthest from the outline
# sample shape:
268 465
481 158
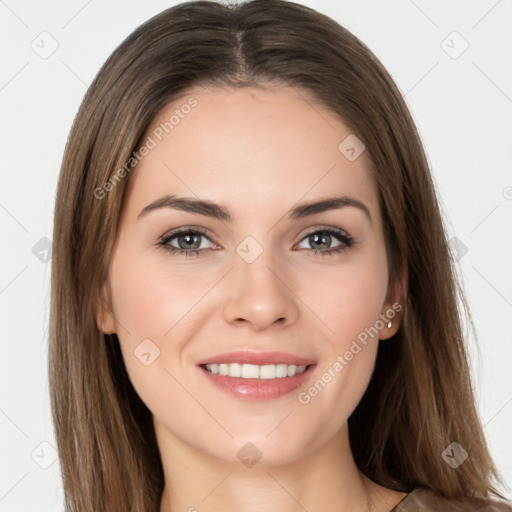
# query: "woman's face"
250 282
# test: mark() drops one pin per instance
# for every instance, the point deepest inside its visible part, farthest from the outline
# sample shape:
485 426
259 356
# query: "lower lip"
258 389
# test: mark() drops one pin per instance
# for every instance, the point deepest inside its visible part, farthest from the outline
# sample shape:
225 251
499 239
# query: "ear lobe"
394 307
104 312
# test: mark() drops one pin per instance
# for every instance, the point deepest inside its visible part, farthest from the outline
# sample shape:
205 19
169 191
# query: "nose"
259 296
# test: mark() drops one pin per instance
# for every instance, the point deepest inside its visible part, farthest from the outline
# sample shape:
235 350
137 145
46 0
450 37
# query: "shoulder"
426 500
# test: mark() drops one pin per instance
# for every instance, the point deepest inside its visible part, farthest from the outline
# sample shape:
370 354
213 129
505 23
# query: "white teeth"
267 371
282 370
252 371
235 369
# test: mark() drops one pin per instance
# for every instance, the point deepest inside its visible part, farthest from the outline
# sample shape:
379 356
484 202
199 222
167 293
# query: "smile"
253 371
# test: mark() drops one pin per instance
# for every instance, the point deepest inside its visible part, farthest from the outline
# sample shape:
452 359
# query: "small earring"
389 324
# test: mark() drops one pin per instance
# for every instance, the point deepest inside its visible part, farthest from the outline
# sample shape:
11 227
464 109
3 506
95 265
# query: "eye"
188 242
321 241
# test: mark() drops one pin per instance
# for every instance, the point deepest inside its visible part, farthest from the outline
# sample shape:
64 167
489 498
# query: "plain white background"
461 99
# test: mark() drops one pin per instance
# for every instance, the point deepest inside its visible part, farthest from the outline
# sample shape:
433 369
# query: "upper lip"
257 358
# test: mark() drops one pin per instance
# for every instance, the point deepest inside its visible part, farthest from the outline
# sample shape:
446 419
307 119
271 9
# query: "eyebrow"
216 211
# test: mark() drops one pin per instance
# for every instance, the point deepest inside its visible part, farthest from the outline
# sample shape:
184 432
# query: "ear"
105 319
393 308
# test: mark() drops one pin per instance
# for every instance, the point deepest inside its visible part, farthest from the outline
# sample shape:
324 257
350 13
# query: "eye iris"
321 239
189 237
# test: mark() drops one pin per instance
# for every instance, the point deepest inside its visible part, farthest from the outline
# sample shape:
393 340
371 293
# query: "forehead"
249 147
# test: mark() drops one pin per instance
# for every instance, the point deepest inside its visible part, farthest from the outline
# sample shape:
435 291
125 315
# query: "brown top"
426 500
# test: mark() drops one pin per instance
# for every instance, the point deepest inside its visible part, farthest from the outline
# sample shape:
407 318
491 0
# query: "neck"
324 479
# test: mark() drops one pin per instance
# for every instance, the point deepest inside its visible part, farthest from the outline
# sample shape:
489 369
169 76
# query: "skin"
258 152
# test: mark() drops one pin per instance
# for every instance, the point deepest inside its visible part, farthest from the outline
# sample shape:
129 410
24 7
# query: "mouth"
257 376
253 371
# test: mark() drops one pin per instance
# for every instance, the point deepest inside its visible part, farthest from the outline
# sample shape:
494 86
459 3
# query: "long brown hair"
420 397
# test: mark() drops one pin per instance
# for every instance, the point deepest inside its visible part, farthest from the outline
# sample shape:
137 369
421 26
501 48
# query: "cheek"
347 299
152 296
151 314
147 305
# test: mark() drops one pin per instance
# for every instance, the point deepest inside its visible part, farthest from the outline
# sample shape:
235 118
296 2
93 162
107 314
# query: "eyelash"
346 242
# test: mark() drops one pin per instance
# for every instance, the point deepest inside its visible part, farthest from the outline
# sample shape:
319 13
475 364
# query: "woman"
253 304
